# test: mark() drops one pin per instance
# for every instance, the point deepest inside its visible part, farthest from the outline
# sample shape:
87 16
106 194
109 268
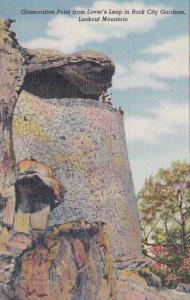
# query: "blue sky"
151 57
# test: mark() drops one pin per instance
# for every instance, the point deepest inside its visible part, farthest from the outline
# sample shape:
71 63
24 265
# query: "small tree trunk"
183 232
183 241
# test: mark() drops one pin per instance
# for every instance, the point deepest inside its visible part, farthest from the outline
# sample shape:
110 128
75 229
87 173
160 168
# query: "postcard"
94 150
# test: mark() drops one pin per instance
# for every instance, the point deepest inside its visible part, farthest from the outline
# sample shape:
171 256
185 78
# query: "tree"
164 204
12 73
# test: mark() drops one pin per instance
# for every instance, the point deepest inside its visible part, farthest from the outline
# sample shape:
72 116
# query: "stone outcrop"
35 193
12 73
73 261
70 261
81 75
36 185
131 286
83 141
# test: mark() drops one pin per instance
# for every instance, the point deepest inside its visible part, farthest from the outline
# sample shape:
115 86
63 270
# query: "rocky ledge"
50 73
84 74
70 261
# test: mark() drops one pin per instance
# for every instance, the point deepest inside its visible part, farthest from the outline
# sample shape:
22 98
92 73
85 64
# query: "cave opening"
32 195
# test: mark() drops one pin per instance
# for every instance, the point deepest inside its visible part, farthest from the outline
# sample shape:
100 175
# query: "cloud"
167 119
171 62
174 63
66 34
134 77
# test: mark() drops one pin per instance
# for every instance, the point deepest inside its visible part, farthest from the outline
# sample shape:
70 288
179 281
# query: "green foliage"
164 204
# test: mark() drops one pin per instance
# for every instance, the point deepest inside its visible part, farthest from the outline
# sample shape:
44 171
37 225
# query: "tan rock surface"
12 73
66 265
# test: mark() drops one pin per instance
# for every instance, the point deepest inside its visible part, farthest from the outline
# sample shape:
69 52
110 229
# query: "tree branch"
170 236
161 262
177 221
161 244
151 230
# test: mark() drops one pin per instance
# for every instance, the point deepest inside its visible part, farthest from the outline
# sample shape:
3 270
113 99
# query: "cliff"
83 141
12 73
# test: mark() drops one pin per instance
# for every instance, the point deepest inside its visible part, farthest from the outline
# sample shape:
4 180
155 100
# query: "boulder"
67 262
52 74
35 181
37 193
31 199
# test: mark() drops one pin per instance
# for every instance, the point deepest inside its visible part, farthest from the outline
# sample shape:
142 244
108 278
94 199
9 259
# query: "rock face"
81 75
36 187
83 141
12 73
36 193
71 261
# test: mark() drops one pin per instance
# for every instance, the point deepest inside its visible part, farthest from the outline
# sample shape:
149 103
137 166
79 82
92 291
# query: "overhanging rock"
51 74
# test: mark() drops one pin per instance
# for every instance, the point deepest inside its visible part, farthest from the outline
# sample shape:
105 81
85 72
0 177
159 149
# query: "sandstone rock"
12 62
79 253
27 210
12 73
22 222
131 286
32 170
39 220
9 209
84 74
18 241
4 236
29 166
91 163
37 192
65 264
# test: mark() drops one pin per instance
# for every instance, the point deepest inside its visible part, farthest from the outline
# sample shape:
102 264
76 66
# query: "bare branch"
177 221
161 262
170 236
153 227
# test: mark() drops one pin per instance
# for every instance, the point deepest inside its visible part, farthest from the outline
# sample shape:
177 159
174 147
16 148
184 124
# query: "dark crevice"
49 84
32 195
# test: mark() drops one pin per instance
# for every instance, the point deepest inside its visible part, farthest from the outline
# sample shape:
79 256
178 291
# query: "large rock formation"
83 141
12 73
71 261
82 75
